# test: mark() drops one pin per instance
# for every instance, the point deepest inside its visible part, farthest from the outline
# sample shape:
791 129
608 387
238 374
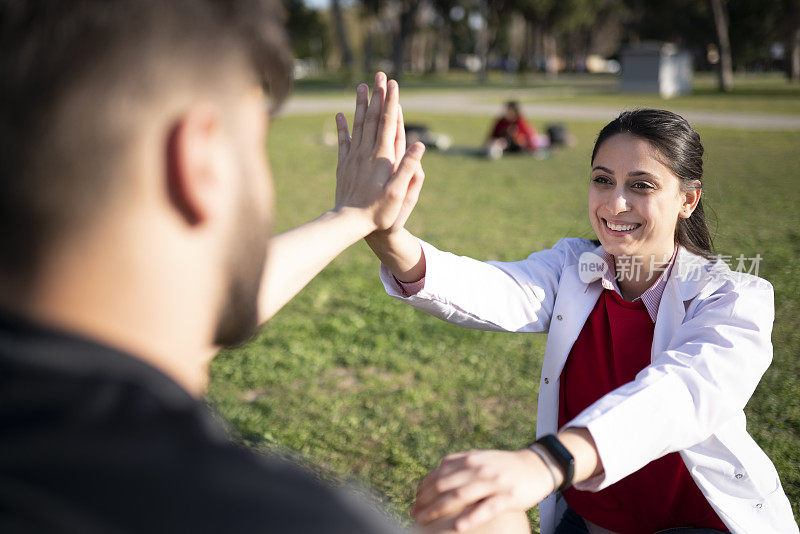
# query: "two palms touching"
375 172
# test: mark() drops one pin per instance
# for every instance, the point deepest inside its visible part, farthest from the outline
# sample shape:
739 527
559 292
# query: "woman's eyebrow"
643 173
600 168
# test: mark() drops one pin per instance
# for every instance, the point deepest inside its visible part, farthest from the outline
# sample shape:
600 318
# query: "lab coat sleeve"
501 296
705 377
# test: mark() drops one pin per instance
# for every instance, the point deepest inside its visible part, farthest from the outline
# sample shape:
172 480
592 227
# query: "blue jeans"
572 523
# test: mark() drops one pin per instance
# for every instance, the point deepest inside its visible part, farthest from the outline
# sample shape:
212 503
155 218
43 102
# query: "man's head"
140 121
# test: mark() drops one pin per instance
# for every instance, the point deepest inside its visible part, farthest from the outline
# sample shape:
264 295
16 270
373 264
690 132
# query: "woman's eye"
642 185
601 180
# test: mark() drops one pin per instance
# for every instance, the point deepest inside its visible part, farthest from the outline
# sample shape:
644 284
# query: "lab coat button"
759 505
559 317
546 380
739 475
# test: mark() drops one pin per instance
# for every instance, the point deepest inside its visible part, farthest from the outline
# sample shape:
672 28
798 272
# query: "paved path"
470 105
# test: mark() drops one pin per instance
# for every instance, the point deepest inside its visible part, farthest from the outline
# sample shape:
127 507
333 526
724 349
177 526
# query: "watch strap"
560 454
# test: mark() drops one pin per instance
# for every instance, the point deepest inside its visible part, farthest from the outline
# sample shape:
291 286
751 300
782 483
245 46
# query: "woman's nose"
618 203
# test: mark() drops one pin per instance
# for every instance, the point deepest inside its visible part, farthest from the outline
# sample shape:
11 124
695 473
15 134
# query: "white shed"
656 68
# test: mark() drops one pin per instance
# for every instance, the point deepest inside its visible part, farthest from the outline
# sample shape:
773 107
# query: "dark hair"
75 80
513 105
679 149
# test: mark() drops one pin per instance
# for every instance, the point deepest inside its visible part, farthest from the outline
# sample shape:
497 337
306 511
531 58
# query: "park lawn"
349 380
752 93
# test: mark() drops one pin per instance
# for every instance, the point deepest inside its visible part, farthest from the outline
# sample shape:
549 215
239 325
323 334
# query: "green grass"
754 93
363 386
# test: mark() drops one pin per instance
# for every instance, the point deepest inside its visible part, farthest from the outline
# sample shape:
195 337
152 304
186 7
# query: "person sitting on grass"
135 216
511 133
653 350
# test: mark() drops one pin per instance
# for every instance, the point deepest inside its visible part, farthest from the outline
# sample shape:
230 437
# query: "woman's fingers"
437 485
362 93
484 511
373 114
394 192
387 127
457 499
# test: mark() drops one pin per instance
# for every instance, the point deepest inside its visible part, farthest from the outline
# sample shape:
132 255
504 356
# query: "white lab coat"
711 345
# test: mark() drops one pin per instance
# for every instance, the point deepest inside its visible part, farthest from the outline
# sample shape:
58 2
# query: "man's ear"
191 179
690 200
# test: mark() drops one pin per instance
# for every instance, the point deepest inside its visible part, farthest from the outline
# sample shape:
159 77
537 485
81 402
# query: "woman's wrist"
542 468
400 252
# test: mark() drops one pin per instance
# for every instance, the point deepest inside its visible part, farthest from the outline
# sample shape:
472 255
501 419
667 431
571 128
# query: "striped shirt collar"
652 296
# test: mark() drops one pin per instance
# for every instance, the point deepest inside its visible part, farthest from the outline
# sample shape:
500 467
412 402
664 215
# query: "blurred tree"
725 66
753 27
307 30
341 35
555 18
404 13
406 18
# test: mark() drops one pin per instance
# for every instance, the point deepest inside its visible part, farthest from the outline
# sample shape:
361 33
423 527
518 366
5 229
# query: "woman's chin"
618 249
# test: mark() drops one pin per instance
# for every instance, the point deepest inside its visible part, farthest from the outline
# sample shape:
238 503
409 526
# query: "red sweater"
612 348
520 131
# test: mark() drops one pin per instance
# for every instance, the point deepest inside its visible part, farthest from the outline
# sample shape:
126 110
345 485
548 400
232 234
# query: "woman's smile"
617 228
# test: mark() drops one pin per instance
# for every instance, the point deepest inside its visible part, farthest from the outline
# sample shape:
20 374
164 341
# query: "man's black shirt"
95 440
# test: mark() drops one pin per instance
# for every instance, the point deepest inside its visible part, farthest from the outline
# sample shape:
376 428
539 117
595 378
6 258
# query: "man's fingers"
374 112
400 137
343 137
362 92
387 127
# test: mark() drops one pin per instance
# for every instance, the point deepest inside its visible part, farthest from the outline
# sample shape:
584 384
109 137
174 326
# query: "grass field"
362 386
754 93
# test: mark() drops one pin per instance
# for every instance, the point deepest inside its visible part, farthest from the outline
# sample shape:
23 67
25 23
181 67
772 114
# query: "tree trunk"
794 57
341 34
550 54
408 14
526 61
725 61
482 44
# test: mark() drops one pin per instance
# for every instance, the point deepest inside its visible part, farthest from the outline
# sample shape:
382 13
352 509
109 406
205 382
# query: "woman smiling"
648 366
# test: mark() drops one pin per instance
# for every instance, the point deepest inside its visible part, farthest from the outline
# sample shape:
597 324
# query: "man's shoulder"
114 456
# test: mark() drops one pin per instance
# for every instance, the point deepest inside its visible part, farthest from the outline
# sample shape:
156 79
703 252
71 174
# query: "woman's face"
634 200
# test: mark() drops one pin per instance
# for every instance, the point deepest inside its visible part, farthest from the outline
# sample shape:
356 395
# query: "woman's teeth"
622 227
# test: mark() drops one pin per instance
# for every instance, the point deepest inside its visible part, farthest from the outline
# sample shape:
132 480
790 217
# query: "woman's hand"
480 485
375 173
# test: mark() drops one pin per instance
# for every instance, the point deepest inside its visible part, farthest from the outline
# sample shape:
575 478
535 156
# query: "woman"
653 351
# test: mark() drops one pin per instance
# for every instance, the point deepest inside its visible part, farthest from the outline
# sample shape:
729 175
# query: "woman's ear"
690 200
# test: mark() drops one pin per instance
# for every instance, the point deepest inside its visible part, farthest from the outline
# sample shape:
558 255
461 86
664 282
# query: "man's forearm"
298 255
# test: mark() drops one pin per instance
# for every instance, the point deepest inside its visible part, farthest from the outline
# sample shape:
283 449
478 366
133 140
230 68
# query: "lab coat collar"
688 273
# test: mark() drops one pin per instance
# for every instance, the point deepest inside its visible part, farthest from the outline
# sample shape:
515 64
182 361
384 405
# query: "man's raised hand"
375 173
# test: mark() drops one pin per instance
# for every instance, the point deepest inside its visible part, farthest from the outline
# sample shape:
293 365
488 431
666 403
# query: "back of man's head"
81 81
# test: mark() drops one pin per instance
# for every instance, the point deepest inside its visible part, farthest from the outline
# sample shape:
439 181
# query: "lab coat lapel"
684 283
575 302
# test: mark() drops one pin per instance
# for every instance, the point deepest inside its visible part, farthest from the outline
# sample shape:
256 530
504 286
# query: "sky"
324 4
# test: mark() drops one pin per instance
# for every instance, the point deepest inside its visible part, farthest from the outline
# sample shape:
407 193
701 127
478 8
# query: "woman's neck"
636 274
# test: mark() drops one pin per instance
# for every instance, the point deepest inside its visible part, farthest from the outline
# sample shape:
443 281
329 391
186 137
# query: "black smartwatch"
562 457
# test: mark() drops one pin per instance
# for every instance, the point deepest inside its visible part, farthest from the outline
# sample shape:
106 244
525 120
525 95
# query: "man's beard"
238 318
